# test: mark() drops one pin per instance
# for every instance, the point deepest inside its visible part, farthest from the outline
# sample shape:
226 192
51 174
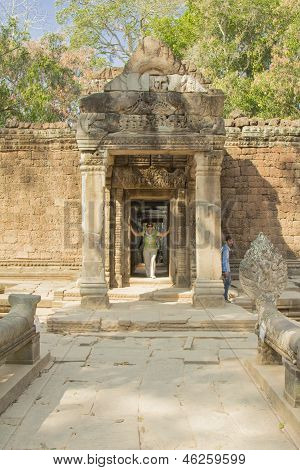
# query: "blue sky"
46 7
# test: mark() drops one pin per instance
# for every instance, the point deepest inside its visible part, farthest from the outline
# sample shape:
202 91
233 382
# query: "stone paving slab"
271 381
15 378
135 391
202 356
108 434
150 315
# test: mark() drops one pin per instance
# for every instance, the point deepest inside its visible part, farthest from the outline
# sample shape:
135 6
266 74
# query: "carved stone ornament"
93 161
152 177
97 124
20 318
155 94
263 271
263 276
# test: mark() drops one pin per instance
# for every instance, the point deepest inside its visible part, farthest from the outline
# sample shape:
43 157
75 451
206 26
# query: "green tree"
249 48
113 27
39 80
13 59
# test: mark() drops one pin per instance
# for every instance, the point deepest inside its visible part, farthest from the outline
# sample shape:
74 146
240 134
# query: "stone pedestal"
28 354
208 287
93 287
292 384
208 293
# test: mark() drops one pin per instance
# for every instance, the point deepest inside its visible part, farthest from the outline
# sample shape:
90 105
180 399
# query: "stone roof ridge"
154 67
13 123
245 121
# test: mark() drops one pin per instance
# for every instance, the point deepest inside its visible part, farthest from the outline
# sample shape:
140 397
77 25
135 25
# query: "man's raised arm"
163 234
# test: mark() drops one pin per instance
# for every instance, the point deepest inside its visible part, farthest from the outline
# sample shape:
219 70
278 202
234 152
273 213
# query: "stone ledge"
270 379
76 320
243 121
15 378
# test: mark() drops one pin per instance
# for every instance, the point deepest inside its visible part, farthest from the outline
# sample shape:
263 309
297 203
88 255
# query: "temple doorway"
157 213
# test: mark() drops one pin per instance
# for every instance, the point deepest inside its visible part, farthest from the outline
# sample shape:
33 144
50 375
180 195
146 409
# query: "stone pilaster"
181 248
93 287
119 237
107 241
208 287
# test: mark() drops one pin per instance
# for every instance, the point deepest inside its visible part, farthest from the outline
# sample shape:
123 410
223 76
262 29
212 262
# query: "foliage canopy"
39 80
248 48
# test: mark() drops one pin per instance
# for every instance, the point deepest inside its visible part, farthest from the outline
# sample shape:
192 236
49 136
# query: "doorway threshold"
148 281
161 292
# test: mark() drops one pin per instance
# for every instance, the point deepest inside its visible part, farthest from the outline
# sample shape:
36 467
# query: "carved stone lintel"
151 177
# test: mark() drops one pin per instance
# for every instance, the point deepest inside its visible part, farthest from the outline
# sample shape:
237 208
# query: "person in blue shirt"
226 274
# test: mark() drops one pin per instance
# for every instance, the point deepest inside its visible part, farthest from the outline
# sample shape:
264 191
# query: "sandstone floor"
146 390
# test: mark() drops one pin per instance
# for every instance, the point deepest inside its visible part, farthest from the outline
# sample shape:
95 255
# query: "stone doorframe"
178 269
96 169
162 105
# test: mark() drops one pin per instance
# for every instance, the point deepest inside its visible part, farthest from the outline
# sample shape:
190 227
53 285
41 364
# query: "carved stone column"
93 287
107 241
208 287
182 268
192 234
119 237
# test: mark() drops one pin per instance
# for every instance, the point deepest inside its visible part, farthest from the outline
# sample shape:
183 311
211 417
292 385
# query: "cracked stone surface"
139 391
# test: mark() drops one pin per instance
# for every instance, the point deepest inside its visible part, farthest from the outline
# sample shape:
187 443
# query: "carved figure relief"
151 177
152 104
155 93
158 83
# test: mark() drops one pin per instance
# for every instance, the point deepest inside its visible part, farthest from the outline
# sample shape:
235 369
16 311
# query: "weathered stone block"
242 121
129 82
28 354
292 384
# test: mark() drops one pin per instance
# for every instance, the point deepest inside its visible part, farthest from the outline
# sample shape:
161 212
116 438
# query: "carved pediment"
153 67
155 94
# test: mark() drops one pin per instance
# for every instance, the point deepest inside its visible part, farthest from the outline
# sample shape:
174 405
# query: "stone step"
270 379
170 294
159 281
71 321
290 307
15 379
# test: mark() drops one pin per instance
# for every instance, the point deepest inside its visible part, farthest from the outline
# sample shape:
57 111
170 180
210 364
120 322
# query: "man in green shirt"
150 247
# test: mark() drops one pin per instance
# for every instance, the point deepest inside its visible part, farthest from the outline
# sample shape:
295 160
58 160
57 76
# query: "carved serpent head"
263 271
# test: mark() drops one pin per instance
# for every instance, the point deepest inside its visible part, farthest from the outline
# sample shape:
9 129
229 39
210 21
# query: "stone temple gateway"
153 137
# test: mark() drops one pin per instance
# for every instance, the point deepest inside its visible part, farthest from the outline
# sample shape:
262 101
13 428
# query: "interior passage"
157 213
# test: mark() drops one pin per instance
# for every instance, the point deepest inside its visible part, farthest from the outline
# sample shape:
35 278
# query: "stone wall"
40 194
40 191
260 183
